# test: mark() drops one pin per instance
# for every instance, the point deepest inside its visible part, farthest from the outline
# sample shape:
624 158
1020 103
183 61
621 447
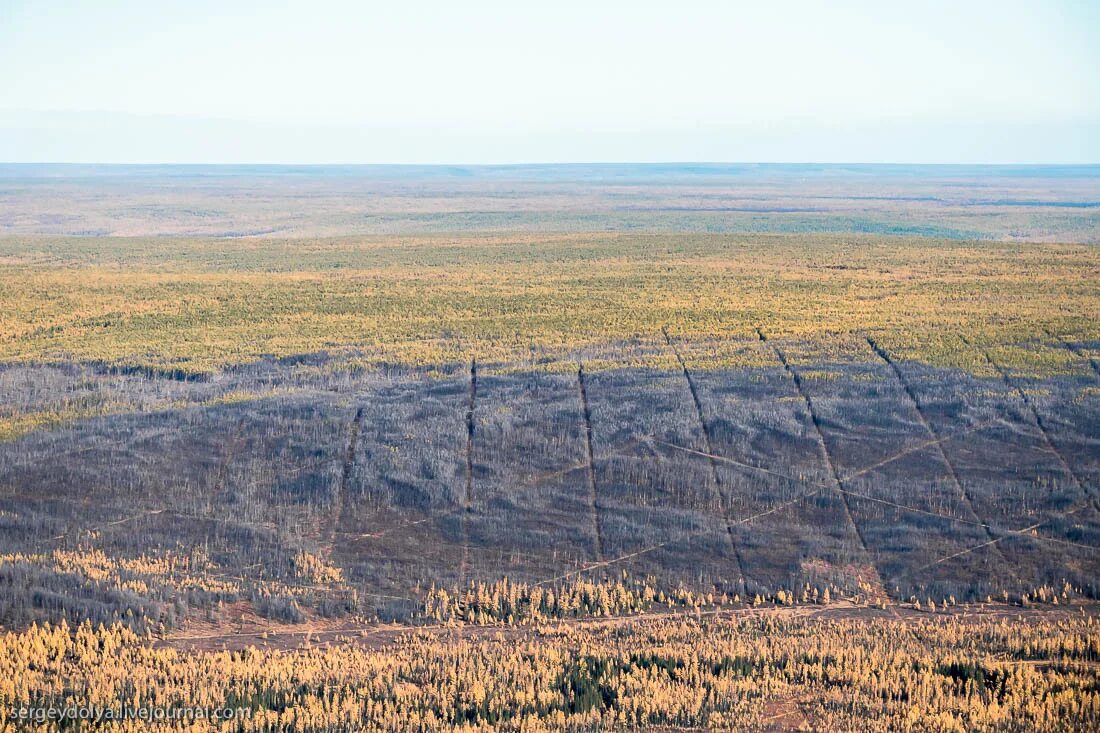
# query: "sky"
334 81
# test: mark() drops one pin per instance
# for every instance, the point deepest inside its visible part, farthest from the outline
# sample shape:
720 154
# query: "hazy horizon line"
597 163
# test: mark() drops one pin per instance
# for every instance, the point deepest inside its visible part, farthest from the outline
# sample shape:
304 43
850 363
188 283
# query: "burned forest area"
769 448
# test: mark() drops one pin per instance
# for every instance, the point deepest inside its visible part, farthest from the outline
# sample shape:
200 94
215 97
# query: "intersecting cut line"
1024 531
818 488
593 494
1039 423
867 497
823 445
778 507
686 535
346 468
467 498
952 473
708 442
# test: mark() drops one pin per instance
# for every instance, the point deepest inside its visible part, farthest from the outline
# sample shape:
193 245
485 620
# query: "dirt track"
247 629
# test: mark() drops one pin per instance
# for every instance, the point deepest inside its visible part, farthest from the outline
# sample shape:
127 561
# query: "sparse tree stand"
967 672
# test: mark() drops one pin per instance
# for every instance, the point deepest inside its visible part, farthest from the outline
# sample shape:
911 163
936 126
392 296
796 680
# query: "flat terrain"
343 424
887 478
775 670
606 447
206 305
1013 203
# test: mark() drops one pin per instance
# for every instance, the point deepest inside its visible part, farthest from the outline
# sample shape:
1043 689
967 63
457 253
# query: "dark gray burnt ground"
908 479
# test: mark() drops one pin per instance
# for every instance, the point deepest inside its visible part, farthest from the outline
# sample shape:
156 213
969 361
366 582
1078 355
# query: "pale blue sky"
422 82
